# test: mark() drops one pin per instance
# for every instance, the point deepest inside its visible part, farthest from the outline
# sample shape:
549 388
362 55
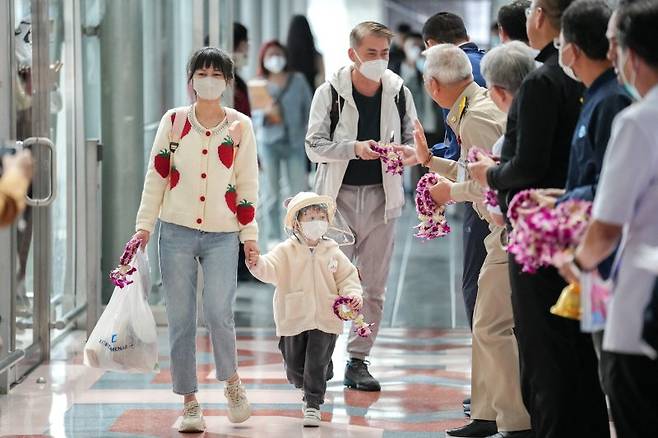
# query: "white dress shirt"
628 196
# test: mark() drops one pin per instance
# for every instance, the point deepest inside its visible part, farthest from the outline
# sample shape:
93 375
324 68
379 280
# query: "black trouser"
307 358
475 230
559 378
631 382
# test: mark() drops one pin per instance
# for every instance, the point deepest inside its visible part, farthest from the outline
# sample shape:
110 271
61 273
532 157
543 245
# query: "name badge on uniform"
462 171
582 131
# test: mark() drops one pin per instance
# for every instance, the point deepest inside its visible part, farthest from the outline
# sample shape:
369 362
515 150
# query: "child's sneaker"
192 418
239 409
312 417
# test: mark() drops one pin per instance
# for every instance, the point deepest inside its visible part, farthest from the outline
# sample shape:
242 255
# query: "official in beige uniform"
13 185
496 403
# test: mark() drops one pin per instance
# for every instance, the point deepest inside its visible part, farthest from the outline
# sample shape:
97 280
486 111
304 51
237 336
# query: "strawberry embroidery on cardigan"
186 128
225 152
231 197
161 163
175 176
246 212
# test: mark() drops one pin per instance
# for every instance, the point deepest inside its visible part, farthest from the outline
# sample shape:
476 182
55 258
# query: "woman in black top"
559 378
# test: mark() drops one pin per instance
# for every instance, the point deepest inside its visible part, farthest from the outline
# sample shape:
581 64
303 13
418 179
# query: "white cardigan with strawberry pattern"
209 183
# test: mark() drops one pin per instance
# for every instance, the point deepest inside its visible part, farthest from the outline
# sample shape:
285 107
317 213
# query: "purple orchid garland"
542 235
490 195
119 275
390 157
343 311
432 218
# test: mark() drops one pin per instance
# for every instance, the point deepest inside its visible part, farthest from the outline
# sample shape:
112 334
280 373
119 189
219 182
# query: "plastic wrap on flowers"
343 310
120 275
542 235
390 157
432 218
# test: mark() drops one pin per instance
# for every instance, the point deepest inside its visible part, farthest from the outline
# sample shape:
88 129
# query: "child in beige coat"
309 271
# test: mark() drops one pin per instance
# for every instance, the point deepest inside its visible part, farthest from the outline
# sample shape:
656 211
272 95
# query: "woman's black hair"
637 29
301 49
210 57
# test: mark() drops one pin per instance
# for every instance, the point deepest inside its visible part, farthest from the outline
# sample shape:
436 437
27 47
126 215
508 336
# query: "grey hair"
448 64
506 66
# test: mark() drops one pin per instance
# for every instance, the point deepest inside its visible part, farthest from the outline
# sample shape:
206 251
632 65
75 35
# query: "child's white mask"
314 230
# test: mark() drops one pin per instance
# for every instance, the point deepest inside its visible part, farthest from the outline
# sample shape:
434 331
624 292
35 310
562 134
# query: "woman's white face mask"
209 88
314 230
275 63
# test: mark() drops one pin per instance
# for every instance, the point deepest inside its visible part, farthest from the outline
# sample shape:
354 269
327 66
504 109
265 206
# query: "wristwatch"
427 162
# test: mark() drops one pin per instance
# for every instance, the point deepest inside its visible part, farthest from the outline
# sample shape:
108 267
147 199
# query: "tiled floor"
422 358
424 375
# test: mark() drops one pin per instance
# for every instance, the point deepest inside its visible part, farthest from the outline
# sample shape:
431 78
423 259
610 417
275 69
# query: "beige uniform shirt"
476 121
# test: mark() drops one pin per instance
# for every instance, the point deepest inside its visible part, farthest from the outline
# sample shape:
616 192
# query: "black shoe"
466 404
514 434
475 429
358 377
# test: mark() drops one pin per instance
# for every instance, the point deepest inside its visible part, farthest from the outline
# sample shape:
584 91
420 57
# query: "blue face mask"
632 91
628 85
420 64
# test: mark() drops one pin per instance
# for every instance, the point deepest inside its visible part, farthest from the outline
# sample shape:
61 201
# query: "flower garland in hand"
119 275
343 310
432 218
390 157
541 235
490 195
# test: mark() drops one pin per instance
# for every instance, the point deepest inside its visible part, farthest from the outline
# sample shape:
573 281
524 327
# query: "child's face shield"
338 230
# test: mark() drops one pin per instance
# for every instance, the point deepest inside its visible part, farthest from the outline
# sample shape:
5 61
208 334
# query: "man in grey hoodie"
362 104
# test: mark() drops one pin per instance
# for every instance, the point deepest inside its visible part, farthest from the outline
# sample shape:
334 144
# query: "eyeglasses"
528 10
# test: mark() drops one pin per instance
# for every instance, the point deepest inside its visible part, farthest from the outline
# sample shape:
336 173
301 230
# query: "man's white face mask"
373 70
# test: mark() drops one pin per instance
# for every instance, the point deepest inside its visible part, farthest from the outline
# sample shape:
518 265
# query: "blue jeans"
273 157
181 250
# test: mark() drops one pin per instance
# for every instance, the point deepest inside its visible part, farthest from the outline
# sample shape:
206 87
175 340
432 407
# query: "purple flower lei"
490 195
343 311
119 275
432 218
391 158
541 235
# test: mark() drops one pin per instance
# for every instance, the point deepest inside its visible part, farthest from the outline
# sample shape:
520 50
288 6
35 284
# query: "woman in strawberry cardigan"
202 185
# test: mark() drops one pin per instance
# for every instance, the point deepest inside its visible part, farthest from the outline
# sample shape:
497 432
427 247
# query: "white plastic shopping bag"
125 337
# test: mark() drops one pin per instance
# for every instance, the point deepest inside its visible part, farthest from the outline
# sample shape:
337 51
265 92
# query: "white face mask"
239 59
275 63
565 68
412 52
209 88
373 70
314 230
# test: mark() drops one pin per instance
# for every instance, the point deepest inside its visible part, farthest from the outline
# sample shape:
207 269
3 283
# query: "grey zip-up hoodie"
333 156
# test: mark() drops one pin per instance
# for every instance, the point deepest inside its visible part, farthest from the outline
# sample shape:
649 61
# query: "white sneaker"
239 409
312 417
192 418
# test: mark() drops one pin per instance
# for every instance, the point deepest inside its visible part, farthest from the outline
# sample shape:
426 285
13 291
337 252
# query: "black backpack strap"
337 103
401 104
